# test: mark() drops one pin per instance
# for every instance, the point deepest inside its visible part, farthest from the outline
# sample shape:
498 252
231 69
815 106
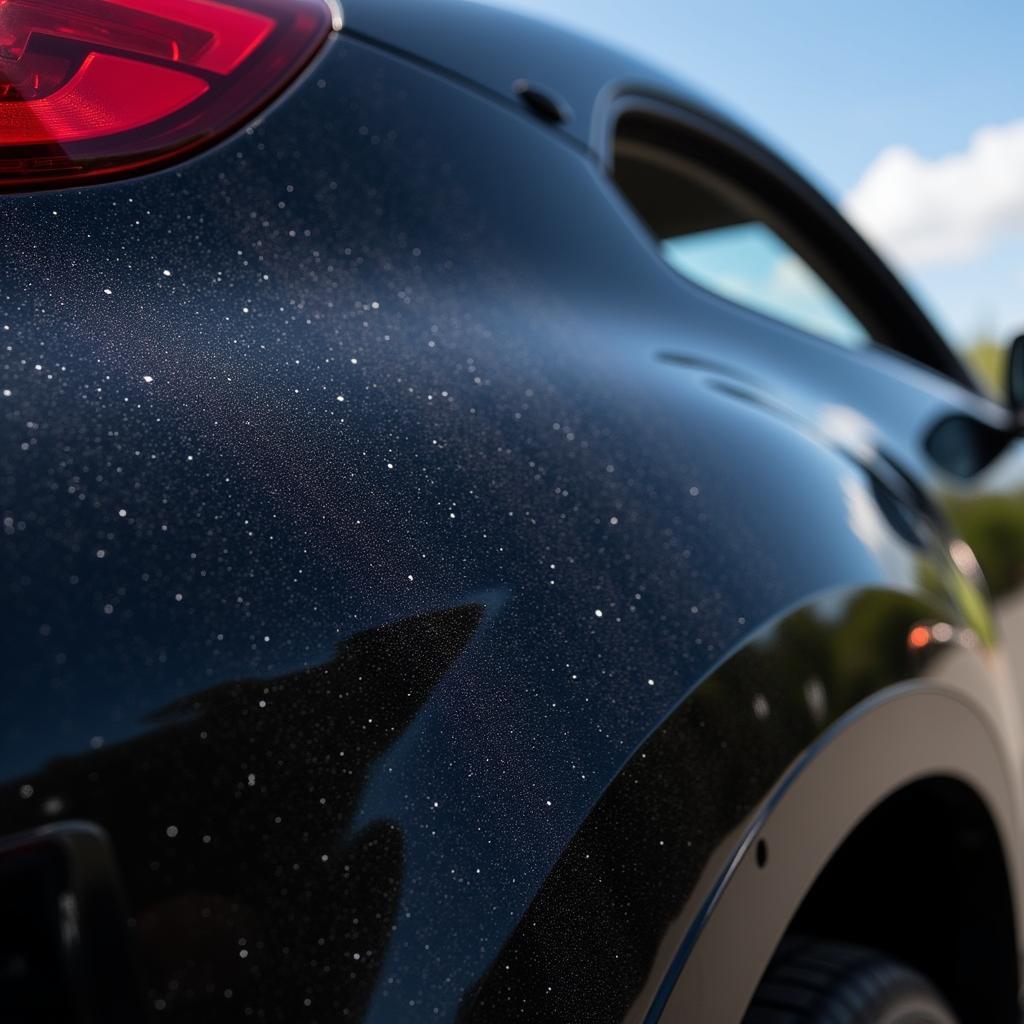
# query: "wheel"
811 982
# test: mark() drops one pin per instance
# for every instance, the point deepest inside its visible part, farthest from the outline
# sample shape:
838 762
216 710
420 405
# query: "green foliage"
994 528
986 358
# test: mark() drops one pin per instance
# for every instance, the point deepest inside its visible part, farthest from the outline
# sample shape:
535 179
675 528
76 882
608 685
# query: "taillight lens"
95 89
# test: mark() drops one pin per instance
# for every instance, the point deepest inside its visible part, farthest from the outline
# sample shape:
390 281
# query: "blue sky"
834 85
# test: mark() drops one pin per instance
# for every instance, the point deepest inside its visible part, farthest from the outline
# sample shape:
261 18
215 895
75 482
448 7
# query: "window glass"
714 234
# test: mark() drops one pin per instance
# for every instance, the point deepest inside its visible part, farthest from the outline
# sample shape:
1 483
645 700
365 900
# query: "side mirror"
1015 380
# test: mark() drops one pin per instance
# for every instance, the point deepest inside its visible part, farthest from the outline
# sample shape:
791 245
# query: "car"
484 540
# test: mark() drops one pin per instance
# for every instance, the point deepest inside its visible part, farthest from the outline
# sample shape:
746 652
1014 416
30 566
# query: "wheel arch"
923 878
913 757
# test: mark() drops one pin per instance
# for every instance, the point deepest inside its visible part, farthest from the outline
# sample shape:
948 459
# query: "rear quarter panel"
360 541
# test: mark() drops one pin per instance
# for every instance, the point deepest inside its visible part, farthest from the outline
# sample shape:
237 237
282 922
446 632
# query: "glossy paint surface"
415 578
491 49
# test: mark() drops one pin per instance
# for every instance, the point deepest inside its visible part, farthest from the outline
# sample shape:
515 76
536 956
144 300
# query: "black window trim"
847 264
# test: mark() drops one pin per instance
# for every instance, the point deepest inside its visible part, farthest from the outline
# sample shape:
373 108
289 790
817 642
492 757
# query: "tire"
812 982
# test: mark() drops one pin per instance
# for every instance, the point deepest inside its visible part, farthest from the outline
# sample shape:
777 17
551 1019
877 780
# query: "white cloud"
922 212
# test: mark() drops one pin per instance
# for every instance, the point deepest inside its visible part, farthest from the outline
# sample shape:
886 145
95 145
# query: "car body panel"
373 510
492 48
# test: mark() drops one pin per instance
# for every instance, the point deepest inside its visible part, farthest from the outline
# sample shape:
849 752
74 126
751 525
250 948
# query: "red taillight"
93 89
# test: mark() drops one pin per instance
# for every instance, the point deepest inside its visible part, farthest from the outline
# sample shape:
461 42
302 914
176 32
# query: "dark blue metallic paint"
491 48
373 512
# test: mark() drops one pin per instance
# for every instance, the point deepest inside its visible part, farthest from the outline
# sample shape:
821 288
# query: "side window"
716 234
